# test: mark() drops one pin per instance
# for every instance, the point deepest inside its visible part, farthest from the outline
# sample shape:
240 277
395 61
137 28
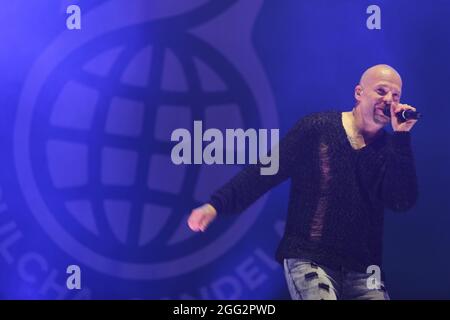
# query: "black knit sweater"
337 194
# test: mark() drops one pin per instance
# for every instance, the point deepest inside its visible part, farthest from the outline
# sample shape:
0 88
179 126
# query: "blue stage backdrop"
87 115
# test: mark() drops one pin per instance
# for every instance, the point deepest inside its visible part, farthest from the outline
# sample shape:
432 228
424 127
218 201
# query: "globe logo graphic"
93 149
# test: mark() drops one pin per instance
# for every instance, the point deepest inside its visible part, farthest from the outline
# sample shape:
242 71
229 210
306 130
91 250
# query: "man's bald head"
380 72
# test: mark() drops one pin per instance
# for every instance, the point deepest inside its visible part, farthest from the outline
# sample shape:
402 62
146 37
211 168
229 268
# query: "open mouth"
381 112
384 109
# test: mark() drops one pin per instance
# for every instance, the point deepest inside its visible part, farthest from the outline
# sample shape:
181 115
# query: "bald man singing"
345 170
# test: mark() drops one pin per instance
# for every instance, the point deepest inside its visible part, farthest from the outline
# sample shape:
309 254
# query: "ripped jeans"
307 280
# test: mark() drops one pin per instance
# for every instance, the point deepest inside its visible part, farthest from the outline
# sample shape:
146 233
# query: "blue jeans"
307 280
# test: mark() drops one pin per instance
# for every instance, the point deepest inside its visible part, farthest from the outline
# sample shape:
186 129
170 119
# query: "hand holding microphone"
403 116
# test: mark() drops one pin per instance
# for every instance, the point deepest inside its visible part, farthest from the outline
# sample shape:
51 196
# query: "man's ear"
358 92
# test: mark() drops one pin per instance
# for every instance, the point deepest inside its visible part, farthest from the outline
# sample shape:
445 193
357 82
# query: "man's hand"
201 217
396 124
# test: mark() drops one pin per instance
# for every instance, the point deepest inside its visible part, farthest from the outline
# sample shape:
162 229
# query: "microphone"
403 115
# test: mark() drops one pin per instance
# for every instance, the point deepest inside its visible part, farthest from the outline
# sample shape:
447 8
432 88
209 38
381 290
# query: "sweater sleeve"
399 186
248 185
